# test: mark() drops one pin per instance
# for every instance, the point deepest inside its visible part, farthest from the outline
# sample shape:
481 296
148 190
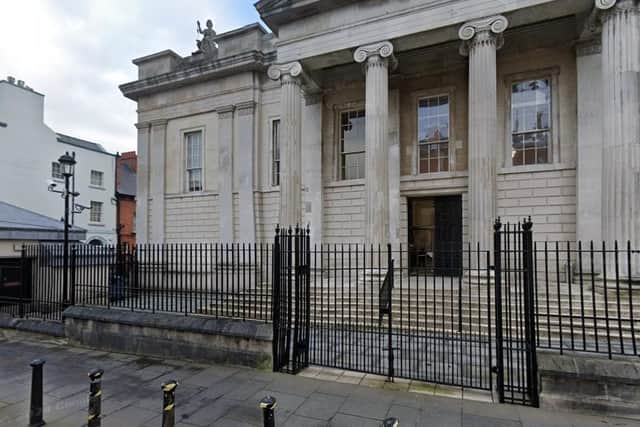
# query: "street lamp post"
67 165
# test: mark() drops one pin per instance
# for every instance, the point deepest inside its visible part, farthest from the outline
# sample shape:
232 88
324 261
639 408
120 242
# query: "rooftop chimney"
20 83
11 79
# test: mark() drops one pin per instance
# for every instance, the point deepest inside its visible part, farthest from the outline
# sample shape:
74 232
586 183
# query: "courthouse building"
413 121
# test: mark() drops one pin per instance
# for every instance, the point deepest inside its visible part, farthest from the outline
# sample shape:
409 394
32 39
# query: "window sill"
97 187
346 183
434 176
95 224
59 180
547 167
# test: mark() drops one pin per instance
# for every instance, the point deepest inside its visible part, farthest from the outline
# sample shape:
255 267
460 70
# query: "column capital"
245 108
158 122
291 71
482 31
622 4
380 53
225 111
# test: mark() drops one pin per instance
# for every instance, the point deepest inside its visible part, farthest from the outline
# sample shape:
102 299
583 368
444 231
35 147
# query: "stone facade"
334 117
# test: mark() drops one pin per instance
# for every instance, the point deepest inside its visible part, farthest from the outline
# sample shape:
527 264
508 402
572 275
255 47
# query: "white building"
412 121
29 162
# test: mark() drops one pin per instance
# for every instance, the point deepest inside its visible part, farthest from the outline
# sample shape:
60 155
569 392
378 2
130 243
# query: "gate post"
390 354
23 283
275 299
529 312
73 274
497 266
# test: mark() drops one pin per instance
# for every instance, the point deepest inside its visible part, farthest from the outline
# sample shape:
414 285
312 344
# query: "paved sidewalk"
228 396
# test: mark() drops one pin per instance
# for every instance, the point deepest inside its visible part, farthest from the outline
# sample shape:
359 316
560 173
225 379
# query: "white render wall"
30 146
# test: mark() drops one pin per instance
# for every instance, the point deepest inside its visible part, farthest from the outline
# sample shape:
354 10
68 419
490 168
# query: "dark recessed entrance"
435 235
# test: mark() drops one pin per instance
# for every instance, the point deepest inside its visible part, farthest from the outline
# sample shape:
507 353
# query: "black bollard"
267 405
390 422
169 403
35 411
95 398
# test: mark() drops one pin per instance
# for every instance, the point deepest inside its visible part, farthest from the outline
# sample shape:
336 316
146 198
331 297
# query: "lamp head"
67 164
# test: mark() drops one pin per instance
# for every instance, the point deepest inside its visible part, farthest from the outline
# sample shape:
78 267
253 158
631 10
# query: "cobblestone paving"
213 395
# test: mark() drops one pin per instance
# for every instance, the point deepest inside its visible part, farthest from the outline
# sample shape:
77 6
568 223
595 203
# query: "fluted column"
376 58
290 140
621 144
481 39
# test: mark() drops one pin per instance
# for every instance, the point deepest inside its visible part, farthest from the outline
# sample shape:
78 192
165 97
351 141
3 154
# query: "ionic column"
289 76
481 39
225 173
621 102
376 58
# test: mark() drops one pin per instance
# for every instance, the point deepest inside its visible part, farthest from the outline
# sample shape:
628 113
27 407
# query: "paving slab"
228 396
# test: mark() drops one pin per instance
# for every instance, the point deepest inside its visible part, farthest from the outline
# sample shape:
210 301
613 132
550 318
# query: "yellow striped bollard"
169 403
95 398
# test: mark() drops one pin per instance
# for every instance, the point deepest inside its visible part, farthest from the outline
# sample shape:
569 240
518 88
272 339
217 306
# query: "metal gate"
291 300
370 309
516 361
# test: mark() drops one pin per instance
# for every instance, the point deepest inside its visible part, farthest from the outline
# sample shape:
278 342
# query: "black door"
448 236
435 235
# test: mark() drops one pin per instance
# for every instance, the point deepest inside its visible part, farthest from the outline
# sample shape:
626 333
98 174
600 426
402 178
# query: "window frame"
553 150
101 174
448 139
272 161
449 91
346 108
185 159
100 212
53 175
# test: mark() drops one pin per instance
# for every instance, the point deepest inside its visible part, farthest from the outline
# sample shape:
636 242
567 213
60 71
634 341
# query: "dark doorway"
435 235
12 285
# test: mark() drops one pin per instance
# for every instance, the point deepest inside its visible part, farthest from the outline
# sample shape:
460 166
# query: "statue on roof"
207 45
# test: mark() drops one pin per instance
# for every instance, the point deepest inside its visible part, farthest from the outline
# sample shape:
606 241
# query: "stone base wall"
343 214
190 218
171 336
549 197
590 383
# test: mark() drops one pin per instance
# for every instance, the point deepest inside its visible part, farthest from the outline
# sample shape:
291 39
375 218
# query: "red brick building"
126 169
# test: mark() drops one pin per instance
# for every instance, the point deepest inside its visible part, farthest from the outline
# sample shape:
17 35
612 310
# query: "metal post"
497 266
23 279
73 275
95 395
268 404
531 356
390 422
65 261
35 411
169 403
390 354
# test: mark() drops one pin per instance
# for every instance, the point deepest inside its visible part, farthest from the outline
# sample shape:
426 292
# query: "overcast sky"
77 52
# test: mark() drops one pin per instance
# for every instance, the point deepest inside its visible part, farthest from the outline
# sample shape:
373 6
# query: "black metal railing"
587 297
218 280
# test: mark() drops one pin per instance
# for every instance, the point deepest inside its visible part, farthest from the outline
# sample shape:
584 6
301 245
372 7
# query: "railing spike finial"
497 225
277 229
527 224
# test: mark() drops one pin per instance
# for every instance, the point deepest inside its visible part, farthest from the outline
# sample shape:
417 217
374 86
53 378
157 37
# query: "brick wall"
343 214
549 197
191 218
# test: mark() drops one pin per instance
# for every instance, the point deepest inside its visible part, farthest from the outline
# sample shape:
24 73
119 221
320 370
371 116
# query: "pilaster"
481 39
142 183
157 150
312 165
245 116
225 172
